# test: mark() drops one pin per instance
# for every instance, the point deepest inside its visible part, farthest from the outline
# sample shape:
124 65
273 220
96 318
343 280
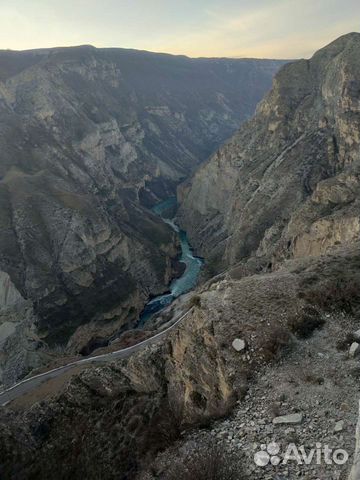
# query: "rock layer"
110 421
287 184
90 139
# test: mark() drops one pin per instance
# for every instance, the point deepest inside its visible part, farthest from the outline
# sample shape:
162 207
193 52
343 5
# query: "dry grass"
277 339
209 462
164 429
195 301
305 322
334 295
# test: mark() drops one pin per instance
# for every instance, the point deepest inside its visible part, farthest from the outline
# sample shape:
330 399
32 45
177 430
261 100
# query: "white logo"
271 454
268 454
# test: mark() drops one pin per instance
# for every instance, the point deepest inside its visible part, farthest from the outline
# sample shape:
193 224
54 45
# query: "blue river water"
193 265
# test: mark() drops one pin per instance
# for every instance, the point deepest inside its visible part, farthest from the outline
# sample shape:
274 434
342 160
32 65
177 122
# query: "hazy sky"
242 28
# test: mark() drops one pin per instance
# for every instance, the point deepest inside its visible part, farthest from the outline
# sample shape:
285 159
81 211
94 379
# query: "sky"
209 28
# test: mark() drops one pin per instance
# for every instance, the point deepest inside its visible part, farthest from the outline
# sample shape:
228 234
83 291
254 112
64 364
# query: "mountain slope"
288 180
89 139
287 184
110 420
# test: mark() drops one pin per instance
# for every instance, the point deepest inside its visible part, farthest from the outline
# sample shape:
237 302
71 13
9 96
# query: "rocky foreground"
112 421
308 399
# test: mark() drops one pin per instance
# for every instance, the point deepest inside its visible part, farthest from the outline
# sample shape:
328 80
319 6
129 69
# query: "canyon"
91 139
268 349
287 184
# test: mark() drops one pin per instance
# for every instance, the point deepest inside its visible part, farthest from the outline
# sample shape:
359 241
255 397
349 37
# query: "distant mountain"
89 139
288 183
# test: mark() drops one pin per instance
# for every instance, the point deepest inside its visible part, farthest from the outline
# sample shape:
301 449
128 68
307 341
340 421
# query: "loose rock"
357 335
288 419
339 426
354 350
239 345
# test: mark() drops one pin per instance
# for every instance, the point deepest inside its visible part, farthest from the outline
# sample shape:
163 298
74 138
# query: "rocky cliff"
287 184
110 421
89 140
280 348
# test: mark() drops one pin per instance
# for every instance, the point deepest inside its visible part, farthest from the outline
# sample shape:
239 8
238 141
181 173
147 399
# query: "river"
193 265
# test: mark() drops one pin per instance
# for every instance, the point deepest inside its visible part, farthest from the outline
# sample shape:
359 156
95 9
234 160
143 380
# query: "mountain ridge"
242 203
269 347
90 141
134 50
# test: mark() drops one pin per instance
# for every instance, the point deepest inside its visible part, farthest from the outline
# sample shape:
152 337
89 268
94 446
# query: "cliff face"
89 140
109 421
287 184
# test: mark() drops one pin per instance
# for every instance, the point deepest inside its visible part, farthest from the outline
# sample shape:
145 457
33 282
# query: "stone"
354 350
339 426
293 418
357 335
9 295
239 345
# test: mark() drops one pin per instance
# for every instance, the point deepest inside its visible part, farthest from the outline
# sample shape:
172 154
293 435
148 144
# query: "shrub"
209 462
213 266
165 428
304 323
310 378
195 301
334 295
344 342
355 373
277 339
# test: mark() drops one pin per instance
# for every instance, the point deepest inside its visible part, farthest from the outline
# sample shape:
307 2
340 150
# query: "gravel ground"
317 380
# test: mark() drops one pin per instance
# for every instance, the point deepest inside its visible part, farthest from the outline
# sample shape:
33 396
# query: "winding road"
30 384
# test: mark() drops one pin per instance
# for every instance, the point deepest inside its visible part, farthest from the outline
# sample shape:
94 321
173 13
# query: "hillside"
269 350
287 184
90 139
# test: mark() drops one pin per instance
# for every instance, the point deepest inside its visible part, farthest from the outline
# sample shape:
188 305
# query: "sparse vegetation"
342 294
209 462
59 349
164 429
195 301
305 322
277 339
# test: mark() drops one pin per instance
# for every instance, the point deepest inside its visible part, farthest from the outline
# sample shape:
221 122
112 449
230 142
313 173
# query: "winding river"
181 285
188 279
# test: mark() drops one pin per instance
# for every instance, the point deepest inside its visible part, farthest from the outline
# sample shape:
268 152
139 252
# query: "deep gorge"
102 135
